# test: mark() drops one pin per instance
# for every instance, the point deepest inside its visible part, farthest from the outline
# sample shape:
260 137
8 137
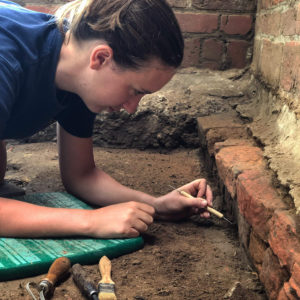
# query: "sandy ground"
193 259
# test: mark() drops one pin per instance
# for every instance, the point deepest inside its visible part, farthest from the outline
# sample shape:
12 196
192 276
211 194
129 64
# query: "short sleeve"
8 93
76 118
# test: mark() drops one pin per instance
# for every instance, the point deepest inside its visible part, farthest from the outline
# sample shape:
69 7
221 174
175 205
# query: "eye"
136 92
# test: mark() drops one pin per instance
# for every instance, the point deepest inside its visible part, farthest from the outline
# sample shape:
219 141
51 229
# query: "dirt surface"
192 259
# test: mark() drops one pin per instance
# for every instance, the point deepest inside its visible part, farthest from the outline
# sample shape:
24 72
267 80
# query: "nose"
131 105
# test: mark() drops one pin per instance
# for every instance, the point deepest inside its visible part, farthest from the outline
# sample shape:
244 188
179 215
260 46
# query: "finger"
132 233
144 217
195 186
209 195
205 214
148 209
201 186
140 226
194 202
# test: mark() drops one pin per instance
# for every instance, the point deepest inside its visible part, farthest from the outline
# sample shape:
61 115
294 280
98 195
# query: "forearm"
21 219
99 188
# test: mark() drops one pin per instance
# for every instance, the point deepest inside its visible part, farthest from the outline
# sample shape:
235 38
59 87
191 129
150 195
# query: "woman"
94 55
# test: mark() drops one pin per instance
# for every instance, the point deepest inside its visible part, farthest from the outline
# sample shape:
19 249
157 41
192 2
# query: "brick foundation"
267 225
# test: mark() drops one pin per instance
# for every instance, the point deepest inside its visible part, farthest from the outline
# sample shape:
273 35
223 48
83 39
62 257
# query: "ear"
100 55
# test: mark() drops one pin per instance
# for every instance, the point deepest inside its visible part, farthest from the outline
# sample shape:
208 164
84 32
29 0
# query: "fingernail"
204 203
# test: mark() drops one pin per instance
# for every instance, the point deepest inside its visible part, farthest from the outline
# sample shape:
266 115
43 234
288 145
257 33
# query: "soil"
192 259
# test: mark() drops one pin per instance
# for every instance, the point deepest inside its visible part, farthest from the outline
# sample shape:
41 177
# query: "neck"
71 66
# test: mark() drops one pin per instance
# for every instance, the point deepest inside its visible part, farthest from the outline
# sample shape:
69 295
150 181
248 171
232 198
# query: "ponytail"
136 30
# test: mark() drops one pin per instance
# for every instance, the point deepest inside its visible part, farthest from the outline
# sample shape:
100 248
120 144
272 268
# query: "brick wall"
218 34
277 45
276 69
276 122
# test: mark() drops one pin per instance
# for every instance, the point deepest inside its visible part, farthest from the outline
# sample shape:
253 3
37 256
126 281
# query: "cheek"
120 95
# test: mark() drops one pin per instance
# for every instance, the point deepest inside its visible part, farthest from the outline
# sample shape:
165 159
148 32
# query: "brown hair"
136 30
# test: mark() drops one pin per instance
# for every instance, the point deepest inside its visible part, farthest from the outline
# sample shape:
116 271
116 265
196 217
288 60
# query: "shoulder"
27 36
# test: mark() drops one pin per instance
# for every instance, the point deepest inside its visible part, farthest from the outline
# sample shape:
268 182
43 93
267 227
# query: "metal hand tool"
80 278
56 271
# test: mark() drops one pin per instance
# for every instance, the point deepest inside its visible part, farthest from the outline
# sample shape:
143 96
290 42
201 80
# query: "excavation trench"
192 259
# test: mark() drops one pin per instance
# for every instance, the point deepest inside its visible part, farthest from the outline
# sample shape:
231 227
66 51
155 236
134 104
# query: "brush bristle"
106 291
107 296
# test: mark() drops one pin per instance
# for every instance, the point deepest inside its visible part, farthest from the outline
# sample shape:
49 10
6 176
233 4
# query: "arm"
21 219
83 179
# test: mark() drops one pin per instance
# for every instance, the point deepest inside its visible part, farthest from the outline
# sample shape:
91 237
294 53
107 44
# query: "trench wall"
276 109
252 199
255 153
218 34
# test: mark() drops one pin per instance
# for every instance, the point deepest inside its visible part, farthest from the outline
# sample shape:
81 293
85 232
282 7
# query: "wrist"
84 223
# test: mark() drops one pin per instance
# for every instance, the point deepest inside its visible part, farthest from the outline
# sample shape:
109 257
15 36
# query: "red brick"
191 52
212 49
232 161
289 23
49 9
233 5
272 275
284 239
269 23
266 3
217 121
199 23
257 249
289 292
275 2
270 62
232 142
236 24
212 65
290 77
215 135
298 19
178 3
295 279
257 198
228 119
282 295
237 53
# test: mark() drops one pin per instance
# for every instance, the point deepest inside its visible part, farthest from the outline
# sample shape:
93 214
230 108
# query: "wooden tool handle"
58 268
105 270
208 208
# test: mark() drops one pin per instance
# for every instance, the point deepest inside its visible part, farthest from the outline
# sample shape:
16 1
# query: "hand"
123 220
174 206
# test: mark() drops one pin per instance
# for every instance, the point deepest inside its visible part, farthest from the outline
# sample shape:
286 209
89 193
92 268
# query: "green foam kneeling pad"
21 258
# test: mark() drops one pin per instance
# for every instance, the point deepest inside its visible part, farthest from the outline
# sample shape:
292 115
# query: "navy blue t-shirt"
30 44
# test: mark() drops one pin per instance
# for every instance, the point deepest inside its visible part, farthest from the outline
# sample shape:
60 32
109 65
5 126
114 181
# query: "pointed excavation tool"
56 271
106 286
208 208
86 287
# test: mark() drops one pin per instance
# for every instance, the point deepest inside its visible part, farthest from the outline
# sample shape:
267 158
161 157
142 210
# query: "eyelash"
138 93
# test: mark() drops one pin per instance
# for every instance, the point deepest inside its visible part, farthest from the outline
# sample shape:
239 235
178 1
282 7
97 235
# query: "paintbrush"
208 208
106 287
